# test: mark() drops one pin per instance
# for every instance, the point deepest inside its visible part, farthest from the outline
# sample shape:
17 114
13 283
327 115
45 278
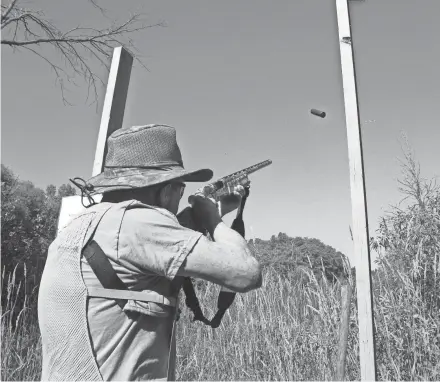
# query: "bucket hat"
143 156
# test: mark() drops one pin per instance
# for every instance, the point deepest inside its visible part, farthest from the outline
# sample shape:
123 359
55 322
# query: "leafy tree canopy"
29 223
288 254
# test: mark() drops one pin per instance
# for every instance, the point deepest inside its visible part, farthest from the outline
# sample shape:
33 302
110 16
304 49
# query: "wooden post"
114 103
343 331
111 120
358 197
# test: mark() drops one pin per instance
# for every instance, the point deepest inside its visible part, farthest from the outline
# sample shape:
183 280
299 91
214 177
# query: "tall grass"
287 330
21 341
408 328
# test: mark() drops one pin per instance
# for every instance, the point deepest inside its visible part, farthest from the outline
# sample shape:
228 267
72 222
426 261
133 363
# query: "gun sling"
226 297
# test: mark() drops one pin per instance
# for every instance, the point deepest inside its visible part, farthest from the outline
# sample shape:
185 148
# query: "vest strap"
113 287
147 296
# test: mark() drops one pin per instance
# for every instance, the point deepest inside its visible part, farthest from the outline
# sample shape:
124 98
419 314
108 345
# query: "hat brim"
125 179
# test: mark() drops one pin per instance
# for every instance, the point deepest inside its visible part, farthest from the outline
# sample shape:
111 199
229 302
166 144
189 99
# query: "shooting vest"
62 303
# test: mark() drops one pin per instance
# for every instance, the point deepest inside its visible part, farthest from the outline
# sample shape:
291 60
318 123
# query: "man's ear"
165 195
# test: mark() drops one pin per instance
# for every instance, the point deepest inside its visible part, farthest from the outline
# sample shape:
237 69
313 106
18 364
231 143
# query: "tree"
65 190
26 29
286 255
28 226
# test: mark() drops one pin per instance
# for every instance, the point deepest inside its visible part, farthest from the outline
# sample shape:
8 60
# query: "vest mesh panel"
67 350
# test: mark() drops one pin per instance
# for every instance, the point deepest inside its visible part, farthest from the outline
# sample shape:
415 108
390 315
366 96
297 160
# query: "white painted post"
358 197
114 103
111 120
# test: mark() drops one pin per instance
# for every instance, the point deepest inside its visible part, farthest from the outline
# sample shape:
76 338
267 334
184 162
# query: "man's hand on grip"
231 202
205 212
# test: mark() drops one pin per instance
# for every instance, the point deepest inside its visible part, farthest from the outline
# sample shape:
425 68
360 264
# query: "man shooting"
125 332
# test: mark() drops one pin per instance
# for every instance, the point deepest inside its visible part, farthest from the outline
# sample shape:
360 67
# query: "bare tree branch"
79 47
8 10
96 5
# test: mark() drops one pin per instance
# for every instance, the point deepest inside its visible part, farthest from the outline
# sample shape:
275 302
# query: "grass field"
287 330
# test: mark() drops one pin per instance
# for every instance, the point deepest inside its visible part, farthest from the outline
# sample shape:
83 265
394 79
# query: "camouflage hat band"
143 156
111 180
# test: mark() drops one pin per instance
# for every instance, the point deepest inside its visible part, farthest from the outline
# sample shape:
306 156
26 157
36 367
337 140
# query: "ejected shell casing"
318 113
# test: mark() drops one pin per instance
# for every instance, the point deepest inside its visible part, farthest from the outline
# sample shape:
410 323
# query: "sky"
237 79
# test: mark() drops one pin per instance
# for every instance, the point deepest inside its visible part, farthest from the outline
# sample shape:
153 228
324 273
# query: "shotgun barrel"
232 179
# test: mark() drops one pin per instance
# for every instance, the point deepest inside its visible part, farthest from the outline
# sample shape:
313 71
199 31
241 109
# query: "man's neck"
119 198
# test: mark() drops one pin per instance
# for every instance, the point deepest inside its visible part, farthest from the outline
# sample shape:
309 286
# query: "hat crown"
143 146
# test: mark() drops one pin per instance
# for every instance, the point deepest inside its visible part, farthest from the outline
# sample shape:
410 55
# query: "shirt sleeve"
151 240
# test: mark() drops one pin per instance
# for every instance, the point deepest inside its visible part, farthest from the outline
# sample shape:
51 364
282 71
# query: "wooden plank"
71 206
358 197
114 103
111 120
343 331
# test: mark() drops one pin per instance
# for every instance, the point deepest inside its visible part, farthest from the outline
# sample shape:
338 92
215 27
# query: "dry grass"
284 331
21 343
287 330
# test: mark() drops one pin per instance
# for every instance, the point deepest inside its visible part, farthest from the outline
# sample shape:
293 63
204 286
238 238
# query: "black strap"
106 274
103 269
225 298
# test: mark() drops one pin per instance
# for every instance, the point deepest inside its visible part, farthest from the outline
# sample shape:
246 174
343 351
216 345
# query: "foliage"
286 255
408 239
406 282
29 224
